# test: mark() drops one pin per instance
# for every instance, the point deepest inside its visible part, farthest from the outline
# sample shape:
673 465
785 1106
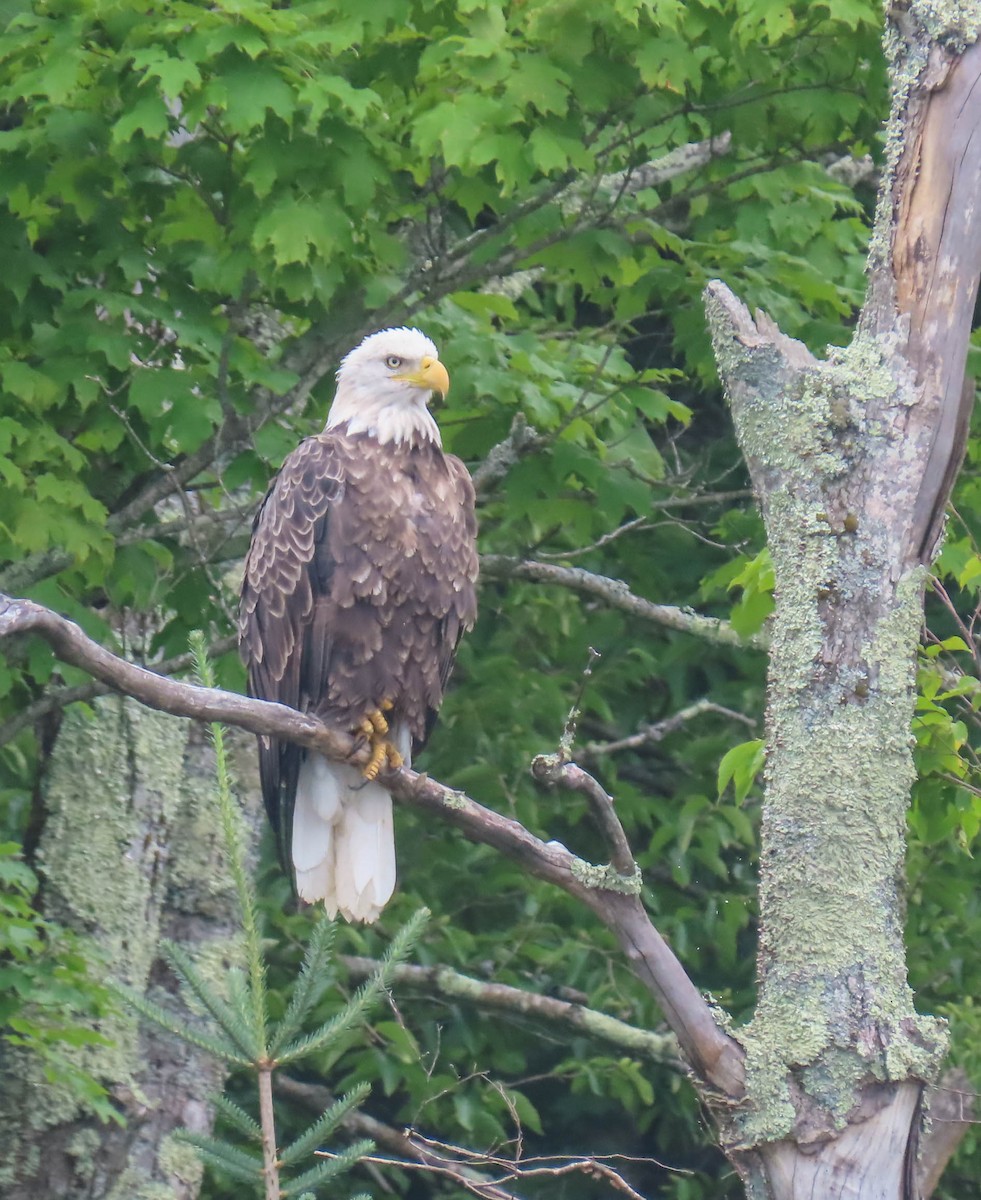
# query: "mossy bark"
130 854
835 1042
852 459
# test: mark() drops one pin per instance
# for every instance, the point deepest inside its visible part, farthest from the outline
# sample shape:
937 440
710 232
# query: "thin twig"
238 514
656 732
396 1141
453 1156
636 525
568 738
507 1171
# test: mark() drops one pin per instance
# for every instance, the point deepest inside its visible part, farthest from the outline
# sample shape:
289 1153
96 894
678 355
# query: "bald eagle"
359 582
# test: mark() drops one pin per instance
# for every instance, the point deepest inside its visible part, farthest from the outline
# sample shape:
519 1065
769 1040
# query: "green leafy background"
205 206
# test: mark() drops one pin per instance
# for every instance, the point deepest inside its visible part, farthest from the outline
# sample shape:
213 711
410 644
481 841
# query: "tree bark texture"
129 855
852 459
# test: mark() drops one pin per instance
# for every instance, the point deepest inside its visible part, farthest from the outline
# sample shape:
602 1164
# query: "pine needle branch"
222 1050
309 984
324 1126
246 1168
230 1020
364 997
236 855
237 1117
240 996
329 1168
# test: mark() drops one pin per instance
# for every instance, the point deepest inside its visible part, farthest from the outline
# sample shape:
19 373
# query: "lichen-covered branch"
616 593
444 981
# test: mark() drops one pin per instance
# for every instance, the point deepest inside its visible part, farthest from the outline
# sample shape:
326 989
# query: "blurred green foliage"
206 205
47 985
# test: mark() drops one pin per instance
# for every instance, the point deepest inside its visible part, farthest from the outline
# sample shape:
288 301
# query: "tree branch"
492 567
715 1056
521 440
56 698
553 770
616 593
657 1047
657 732
72 646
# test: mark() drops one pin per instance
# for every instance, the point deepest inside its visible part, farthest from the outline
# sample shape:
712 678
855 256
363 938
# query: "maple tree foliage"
204 207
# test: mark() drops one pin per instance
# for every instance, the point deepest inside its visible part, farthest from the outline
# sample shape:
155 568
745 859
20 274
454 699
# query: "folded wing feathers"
353 594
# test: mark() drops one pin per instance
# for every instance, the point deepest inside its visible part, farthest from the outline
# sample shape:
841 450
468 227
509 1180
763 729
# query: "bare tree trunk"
130 855
852 459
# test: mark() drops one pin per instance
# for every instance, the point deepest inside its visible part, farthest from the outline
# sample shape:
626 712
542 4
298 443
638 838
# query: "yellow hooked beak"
431 375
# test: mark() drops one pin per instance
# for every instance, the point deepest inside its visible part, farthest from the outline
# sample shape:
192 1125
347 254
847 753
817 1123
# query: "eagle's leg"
375 727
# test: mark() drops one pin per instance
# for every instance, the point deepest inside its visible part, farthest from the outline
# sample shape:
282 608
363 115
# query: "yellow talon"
375 727
377 760
377 722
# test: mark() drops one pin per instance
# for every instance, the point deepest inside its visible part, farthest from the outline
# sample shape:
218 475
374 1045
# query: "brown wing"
358 586
283 635
458 575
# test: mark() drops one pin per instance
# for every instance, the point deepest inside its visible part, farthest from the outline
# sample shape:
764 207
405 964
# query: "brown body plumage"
358 585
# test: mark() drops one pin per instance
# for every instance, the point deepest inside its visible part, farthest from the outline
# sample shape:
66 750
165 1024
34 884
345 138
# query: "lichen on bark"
130 853
835 1012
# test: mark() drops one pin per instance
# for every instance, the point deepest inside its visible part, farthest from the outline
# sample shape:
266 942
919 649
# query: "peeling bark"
949 1117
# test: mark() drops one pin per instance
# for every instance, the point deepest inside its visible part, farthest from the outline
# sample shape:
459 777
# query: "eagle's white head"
384 386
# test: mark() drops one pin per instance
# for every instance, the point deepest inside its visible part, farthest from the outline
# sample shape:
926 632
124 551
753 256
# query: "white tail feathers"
343 838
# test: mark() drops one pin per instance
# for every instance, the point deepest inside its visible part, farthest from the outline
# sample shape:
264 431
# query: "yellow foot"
382 753
375 727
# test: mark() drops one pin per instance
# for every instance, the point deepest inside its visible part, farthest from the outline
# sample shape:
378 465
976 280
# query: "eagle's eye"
393 361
